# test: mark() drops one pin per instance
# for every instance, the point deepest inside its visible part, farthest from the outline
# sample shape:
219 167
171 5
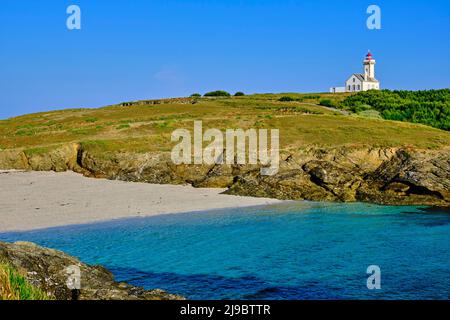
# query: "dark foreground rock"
397 176
50 271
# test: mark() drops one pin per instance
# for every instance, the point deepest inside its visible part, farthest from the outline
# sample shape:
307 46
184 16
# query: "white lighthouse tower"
369 67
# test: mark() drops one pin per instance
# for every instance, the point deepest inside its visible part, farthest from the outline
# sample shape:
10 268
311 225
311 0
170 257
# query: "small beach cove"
36 200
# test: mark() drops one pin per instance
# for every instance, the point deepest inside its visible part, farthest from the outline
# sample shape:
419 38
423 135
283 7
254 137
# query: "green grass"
123 126
370 114
23 133
91 119
147 126
14 286
38 150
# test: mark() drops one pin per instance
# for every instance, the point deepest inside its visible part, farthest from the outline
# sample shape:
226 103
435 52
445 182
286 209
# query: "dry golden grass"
13 286
6 291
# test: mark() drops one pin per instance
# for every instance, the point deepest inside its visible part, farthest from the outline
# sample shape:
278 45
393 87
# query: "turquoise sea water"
297 250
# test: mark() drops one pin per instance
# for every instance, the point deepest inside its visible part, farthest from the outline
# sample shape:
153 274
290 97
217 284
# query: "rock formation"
47 269
379 175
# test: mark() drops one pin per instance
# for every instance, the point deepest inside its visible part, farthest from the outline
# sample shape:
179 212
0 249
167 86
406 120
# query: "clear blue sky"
128 50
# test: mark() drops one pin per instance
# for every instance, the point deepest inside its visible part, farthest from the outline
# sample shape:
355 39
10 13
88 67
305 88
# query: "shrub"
195 95
327 103
311 97
360 107
429 107
286 99
239 94
217 93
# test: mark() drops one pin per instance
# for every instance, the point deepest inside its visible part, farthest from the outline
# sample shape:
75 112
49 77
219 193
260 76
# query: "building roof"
360 77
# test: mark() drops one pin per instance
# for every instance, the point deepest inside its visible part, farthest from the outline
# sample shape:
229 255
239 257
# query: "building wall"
337 89
371 86
353 84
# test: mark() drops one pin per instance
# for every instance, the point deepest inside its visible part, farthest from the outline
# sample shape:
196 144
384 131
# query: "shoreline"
33 200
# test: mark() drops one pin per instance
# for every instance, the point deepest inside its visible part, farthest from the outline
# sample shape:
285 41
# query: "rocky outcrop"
379 175
50 270
384 176
60 158
410 177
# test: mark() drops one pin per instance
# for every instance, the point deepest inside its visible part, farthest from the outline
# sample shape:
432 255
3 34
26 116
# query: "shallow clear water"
298 250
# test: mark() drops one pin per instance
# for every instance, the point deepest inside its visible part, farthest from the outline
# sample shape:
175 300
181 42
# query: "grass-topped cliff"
335 147
146 125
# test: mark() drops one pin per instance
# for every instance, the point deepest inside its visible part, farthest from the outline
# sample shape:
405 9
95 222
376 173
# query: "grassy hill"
147 125
327 154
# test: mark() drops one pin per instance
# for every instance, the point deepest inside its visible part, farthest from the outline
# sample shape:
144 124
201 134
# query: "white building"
361 81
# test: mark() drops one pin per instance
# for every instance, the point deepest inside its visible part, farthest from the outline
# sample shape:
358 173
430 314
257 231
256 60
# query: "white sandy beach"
35 200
